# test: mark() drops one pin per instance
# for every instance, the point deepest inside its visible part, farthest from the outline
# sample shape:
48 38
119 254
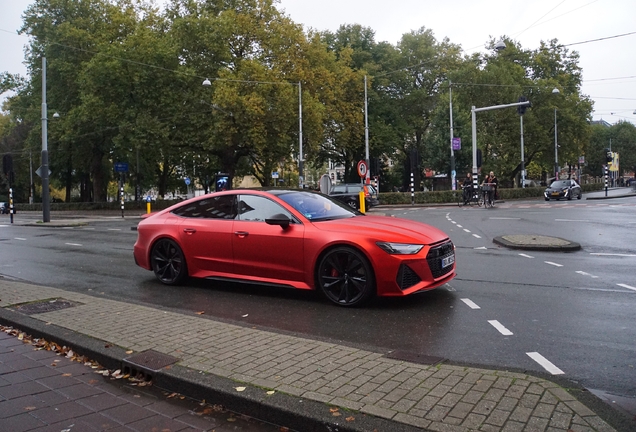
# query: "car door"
267 253
206 235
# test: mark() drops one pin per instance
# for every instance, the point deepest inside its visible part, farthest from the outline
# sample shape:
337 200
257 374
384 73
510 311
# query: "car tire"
570 197
547 199
345 277
580 196
168 262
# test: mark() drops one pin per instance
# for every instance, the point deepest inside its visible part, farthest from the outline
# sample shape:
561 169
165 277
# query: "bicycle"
468 196
488 192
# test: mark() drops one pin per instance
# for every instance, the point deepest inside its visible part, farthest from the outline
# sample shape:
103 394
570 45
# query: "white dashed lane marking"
20 238
553 263
571 220
73 244
587 274
476 236
611 254
525 255
471 304
627 286
503 330
466 230
545 363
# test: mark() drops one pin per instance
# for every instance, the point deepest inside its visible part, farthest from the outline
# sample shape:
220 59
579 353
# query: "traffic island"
536 243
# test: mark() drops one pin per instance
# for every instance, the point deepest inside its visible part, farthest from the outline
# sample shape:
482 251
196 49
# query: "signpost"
362 169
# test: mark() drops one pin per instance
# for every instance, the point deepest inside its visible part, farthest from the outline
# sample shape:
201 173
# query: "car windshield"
560 184
316 207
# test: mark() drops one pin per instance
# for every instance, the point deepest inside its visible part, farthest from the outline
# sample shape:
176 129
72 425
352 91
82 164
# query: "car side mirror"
279 219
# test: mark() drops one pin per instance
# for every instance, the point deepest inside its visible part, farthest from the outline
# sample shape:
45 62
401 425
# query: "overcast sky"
469 23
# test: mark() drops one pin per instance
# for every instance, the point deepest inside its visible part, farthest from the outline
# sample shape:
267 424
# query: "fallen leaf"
200 312
333 409
67 375
231 419
245 316
271 392
29 408
283 429
336 414
171 395
240 388
350 419
129 352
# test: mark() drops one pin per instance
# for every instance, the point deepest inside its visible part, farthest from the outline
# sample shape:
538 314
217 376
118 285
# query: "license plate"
449 260
555 193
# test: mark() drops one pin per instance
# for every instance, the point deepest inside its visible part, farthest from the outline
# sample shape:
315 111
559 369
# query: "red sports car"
297 239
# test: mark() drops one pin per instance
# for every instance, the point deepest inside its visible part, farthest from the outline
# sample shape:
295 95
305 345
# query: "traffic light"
479 158
7 164
521 109
608 155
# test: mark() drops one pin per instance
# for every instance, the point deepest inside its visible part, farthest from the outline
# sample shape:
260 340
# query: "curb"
290 411
566 246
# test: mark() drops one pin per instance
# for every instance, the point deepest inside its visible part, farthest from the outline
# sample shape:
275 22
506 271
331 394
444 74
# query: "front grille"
435 257
406 277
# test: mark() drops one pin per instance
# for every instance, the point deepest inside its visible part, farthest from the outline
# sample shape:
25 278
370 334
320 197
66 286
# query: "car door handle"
241 234
189 231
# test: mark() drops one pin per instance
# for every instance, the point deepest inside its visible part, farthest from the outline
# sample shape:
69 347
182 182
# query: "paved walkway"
302 383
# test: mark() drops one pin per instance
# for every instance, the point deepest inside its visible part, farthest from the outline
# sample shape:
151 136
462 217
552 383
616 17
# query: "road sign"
362 169
457 143
187 181
274 174
148 198
121 166
39 172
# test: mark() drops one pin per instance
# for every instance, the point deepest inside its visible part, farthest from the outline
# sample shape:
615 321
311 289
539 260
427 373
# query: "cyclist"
491 180
467 186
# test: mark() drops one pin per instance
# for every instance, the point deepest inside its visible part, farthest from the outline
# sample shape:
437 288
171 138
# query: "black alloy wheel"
353 204
168 262
345 277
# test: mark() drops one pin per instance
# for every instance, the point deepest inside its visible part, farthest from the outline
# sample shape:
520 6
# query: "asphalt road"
576 310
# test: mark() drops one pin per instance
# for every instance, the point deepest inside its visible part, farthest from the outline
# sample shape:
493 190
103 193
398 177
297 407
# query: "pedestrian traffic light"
608 155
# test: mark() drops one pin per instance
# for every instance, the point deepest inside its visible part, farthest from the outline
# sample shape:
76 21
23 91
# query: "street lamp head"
555 91
500 46
56 115
207 83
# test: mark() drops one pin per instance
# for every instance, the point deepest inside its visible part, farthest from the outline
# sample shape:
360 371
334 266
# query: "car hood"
385 228
558 189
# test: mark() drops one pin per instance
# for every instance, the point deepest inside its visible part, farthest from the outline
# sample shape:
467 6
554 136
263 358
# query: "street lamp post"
46 205
556 144
367 178
452 160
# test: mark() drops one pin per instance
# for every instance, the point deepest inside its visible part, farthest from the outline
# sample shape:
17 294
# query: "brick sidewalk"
363 384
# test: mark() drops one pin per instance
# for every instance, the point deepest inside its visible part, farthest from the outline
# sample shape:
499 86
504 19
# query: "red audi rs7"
294 238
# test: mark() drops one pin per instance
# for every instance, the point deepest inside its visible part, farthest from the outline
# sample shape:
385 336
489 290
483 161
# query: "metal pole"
31 177
523 162
474 126
412 187
366 134
452 160
46 205
556 148
301 180
606 179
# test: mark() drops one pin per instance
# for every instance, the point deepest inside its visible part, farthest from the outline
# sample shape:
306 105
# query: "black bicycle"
469 196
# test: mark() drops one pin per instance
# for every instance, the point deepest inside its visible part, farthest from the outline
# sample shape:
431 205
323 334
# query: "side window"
258 208
219 207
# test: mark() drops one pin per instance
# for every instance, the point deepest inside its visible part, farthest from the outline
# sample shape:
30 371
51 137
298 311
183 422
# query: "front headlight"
400 248
566 192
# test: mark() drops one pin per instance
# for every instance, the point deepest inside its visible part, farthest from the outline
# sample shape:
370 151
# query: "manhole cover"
44 306
151 360
414 357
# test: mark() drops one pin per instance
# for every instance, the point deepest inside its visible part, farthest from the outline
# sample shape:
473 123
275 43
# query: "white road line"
481 248
73 244
3 226
476 236
504 331
114 229
627 286
572 220
504 218
454 222
610 254
20 238
471 304
545 363
554 264
459 226
526 256
466 230
89 229
586 274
